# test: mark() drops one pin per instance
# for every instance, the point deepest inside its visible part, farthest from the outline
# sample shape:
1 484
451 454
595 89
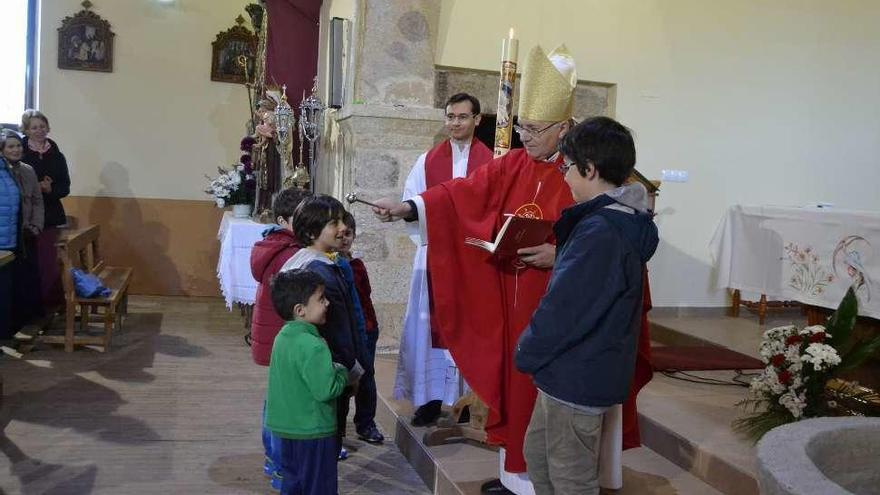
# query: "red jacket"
362 284
267 258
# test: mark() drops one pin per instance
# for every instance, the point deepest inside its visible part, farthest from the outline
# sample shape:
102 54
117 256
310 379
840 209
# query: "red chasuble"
482 303
438 169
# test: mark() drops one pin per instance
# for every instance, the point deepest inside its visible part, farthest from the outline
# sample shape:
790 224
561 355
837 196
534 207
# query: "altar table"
810 255
237 236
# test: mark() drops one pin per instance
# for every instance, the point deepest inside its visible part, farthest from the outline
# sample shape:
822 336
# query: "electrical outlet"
674 175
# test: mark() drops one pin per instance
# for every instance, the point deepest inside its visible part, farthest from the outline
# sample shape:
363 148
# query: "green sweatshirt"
303 384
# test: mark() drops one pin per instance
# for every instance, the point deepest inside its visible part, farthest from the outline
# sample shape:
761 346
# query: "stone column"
372 142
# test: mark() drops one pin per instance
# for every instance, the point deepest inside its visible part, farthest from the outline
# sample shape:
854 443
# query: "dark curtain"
292 46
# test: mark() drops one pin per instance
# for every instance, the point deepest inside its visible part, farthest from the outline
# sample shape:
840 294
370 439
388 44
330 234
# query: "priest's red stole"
438 161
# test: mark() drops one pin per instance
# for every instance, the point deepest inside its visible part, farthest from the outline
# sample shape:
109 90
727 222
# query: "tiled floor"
173 408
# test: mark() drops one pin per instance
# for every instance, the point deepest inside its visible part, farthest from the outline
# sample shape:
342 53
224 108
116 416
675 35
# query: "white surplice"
425 373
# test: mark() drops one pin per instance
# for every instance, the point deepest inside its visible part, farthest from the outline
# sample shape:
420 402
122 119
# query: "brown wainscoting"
171 244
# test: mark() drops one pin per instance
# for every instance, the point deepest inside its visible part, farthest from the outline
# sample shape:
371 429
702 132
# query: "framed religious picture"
85 42
233 54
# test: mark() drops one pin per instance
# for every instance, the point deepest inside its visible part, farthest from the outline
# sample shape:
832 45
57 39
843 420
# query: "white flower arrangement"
799 363
230 186
235 185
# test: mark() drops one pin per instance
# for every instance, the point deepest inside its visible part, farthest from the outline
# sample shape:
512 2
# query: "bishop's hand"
389 210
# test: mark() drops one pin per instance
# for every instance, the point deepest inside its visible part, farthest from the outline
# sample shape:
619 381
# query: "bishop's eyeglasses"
525 131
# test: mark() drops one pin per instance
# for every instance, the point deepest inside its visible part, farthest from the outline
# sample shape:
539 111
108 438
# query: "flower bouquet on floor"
237 184
800 364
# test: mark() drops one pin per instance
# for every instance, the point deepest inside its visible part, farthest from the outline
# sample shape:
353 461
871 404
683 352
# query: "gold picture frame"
85 42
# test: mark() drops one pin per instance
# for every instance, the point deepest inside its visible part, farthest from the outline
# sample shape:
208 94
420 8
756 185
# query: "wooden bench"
78 248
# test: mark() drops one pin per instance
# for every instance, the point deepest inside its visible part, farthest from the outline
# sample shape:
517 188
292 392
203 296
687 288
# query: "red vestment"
438 169
482 303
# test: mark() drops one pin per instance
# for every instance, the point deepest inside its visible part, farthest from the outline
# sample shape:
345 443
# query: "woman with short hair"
26 301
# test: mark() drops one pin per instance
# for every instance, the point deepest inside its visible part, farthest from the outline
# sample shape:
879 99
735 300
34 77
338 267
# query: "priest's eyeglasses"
525 131
462 117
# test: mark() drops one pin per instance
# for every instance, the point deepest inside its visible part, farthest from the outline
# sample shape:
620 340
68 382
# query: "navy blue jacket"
341 328
580 345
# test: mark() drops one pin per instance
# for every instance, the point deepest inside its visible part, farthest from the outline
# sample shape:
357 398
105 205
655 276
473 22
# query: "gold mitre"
548 82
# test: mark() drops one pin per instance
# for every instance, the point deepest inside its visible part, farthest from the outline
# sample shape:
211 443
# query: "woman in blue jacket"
10 202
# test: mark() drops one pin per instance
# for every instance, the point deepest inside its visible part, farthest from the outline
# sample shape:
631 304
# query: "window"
18 39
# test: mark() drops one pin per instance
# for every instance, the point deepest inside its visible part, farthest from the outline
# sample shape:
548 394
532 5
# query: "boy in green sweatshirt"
303 386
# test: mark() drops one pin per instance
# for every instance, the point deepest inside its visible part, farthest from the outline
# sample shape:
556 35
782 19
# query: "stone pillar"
372 142
394 60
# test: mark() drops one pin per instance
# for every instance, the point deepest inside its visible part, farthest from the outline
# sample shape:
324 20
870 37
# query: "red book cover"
515 234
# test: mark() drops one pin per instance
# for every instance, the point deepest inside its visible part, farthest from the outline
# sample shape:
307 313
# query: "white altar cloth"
811 255
237 236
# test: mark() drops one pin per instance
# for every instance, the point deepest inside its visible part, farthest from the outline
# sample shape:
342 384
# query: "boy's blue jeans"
270 443
308 467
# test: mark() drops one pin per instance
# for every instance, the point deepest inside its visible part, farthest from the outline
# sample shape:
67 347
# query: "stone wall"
591 98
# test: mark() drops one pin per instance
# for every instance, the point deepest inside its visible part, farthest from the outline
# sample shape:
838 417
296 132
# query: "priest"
423 369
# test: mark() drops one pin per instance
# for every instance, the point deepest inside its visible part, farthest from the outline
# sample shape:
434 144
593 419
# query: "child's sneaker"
343 454
276 481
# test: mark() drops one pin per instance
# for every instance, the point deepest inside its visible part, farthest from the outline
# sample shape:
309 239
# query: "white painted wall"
157 124
763 102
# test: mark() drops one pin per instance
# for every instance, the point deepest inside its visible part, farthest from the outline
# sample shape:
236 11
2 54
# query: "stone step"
460 469
689 423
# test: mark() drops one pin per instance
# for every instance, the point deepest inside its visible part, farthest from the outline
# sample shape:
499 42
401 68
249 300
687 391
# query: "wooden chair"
79 249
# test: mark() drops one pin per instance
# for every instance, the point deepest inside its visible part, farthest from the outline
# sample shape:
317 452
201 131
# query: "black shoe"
427 414
494 487
370 434
465 416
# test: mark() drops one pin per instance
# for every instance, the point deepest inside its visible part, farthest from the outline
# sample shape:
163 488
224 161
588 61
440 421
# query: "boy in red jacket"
267 257
365 399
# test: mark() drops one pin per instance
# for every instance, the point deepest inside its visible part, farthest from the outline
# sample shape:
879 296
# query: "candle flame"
510 34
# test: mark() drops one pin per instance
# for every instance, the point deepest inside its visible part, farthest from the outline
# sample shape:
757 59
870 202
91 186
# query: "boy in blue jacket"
580 345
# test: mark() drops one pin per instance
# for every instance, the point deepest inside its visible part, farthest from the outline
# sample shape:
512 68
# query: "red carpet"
700 358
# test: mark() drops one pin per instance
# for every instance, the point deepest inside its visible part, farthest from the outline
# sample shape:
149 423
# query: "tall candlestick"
504 119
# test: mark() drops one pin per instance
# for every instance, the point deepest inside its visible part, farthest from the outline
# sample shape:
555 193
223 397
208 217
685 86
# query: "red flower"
784 377
817 337
793 339
777 360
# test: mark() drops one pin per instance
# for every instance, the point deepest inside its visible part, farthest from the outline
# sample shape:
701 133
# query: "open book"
515 234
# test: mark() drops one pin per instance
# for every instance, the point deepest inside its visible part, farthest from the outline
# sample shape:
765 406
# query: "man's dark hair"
605 143
312 214
293 287
460 97
285 202
348 220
